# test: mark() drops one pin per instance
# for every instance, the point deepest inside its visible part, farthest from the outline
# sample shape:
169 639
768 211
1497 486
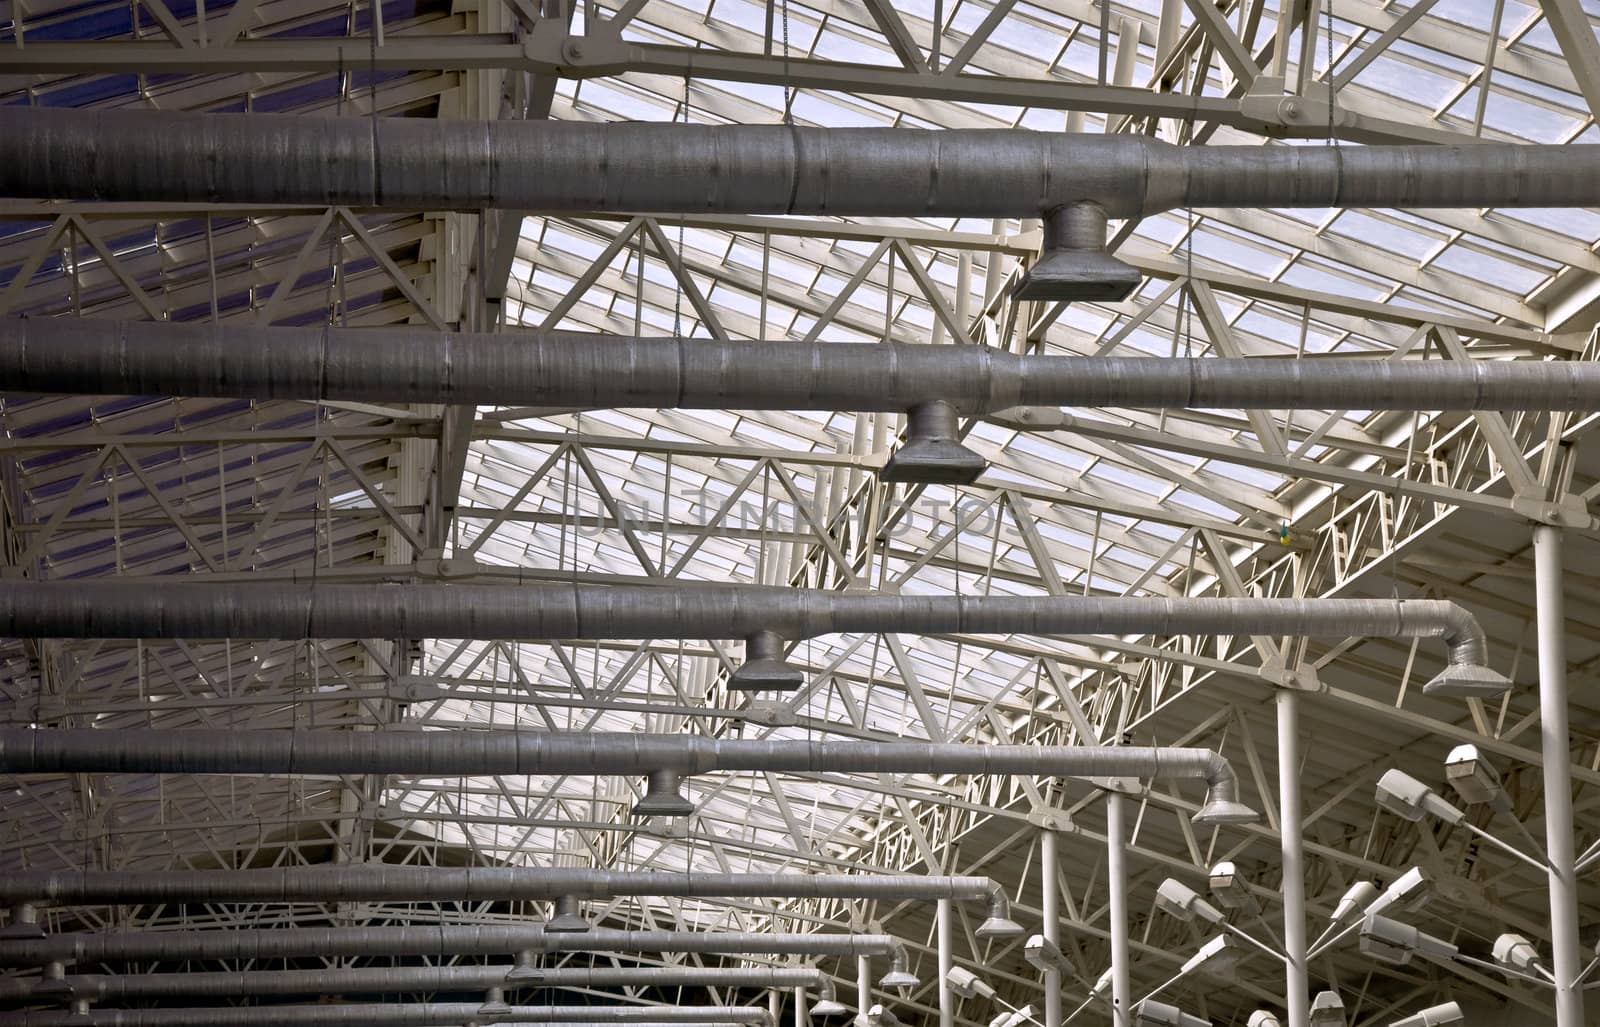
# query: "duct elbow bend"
999 923
1466 674
1464 635
1222 805
899 975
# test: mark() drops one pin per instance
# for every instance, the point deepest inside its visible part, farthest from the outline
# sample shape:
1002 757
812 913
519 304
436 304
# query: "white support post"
1566 959
947 1012
863 986
1117 882
1297 985
802 1013
1049 898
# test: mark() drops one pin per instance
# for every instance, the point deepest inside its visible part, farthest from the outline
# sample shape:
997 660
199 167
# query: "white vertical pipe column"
947 1012
802 1014
863 986
1554 739
1049 898
1297 984
774 1005
1117 882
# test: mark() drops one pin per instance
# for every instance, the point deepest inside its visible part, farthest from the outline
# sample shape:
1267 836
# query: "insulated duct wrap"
551 166
485 940
483 753
428 1014
400 364
190 609
383 979
389 883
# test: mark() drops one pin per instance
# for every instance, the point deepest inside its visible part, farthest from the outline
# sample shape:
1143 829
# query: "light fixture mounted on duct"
764 669
662 797
827 1003
933 453
567 917
1074 264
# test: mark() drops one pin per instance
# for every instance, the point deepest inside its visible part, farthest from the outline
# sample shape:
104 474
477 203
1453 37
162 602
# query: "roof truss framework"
1092 502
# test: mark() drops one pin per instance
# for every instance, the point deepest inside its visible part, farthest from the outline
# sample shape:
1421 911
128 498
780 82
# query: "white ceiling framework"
1081 501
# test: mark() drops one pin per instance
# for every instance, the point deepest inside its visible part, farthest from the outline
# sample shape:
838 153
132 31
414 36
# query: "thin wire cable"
683 262
788 86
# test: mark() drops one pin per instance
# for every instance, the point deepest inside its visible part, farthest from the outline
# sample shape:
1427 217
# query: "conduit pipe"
107 609
387 883
374 1014
1074 182
663 759
401 364
478 940
387 980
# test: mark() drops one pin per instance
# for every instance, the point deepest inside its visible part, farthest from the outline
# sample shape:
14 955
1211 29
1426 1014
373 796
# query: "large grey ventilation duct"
1075 182
374 1014
664 760
398 979
109 609
477 940
934 384
405 364
378 882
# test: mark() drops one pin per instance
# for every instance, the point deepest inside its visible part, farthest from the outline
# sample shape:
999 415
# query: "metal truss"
1291 503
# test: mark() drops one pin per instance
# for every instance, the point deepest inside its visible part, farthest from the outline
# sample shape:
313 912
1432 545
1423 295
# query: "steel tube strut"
416 164
402 364
1297 989
1556 747
481 753
388 980
485 940
428 1014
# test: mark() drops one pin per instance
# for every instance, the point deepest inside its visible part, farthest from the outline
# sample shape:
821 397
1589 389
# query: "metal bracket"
1300 679
1570 511
596 54
1274 109
1051 820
